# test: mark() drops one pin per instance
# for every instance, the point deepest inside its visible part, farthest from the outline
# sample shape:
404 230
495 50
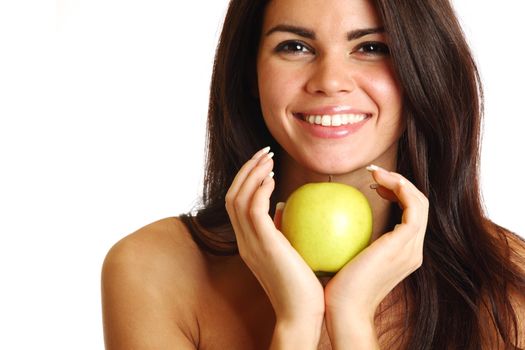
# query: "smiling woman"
379 95
342 71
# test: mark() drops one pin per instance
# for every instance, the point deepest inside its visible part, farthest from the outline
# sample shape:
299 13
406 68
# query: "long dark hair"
470 265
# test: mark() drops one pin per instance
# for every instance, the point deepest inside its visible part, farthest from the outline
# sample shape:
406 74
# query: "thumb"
279 207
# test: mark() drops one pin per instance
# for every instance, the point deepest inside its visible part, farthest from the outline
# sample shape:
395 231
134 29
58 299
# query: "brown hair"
470 264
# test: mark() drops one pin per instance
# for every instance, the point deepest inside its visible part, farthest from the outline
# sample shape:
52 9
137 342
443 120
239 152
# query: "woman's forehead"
325 15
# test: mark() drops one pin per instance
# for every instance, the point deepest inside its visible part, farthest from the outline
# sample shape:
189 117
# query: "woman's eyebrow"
310 34
304 32
358 33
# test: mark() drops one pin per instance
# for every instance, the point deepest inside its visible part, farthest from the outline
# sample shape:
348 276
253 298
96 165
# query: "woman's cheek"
278 93
385 85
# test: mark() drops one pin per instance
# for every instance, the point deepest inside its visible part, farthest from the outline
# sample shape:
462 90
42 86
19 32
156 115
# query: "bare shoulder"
156 247
149 279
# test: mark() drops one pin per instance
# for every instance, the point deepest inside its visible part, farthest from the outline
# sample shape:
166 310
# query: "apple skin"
328 224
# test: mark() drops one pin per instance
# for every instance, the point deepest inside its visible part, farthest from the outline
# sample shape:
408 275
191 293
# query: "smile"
333 119
331 125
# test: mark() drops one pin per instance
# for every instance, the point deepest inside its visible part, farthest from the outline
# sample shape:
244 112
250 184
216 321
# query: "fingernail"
374 186
373 167
261 152
265 157
280 206
271 174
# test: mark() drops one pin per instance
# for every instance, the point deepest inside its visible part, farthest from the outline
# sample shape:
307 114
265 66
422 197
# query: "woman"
395 87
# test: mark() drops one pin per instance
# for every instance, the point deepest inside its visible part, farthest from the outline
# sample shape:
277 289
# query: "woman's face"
326 84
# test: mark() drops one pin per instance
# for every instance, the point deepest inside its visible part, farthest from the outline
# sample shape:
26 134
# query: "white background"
102 114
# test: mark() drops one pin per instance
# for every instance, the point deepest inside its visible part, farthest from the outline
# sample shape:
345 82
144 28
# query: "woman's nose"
331 77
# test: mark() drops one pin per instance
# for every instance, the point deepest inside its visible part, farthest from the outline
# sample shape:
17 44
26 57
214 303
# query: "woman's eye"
293 47
374 48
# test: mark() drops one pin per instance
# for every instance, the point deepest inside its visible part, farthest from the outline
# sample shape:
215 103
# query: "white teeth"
335 119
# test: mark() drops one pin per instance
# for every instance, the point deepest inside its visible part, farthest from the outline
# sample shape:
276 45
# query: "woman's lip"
331 132
331 110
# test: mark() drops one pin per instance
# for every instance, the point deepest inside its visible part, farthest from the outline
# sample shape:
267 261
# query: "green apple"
328 224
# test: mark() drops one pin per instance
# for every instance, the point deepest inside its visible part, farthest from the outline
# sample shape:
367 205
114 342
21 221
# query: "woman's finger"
278 214
243 203
384 192
243 173
413 202
403 189
260 207
233 192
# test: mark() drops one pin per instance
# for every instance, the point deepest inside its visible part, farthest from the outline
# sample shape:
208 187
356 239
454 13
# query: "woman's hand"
355 292
296 295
